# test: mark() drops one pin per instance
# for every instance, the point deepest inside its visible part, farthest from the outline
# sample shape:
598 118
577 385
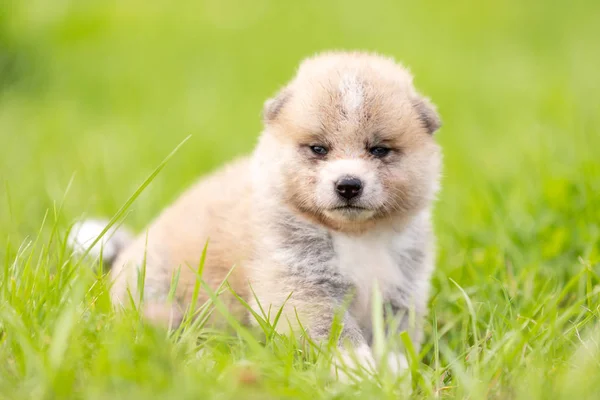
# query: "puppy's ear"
273 107
427 114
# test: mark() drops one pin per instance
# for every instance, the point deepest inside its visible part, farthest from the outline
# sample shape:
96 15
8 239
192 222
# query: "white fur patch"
84 233
367 260
352 360
397 363
352 92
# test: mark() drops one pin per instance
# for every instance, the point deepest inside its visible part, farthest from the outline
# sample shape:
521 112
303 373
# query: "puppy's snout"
349 187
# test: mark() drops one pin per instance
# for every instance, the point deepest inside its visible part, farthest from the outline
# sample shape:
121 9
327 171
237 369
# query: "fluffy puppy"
334 200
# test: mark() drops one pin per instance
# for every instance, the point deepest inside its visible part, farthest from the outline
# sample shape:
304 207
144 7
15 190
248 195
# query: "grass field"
95 94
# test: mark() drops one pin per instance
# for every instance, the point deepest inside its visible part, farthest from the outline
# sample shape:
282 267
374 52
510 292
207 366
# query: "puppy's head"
349 142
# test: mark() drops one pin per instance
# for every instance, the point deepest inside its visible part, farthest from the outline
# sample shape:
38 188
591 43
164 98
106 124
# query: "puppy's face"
351 143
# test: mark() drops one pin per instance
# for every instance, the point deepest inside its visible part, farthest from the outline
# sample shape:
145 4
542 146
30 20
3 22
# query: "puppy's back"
214 210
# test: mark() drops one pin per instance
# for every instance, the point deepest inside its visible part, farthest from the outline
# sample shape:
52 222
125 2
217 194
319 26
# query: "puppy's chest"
367 261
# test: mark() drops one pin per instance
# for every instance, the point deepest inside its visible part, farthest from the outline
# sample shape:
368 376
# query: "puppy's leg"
141 271
312 308
405 304
401 317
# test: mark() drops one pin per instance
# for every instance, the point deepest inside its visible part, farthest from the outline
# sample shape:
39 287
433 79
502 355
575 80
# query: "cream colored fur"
276 216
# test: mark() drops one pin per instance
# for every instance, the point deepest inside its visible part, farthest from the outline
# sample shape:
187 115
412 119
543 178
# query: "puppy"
334 201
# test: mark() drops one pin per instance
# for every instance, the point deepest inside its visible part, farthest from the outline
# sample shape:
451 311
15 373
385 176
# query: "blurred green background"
100 91
94 94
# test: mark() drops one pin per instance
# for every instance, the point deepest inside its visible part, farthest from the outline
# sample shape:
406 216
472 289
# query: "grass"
94 95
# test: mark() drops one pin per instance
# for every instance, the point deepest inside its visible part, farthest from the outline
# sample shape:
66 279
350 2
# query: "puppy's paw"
397 363
352 364
398 368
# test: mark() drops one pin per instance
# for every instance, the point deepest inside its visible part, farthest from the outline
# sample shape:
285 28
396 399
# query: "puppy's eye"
379 151
320 150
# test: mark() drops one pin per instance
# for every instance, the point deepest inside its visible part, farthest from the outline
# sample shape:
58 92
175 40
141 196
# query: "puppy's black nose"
349 187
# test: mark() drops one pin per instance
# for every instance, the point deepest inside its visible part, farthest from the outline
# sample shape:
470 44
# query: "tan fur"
209 211
269 213
313 116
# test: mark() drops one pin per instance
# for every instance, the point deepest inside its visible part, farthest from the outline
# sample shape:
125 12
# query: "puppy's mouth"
349 207
350 212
